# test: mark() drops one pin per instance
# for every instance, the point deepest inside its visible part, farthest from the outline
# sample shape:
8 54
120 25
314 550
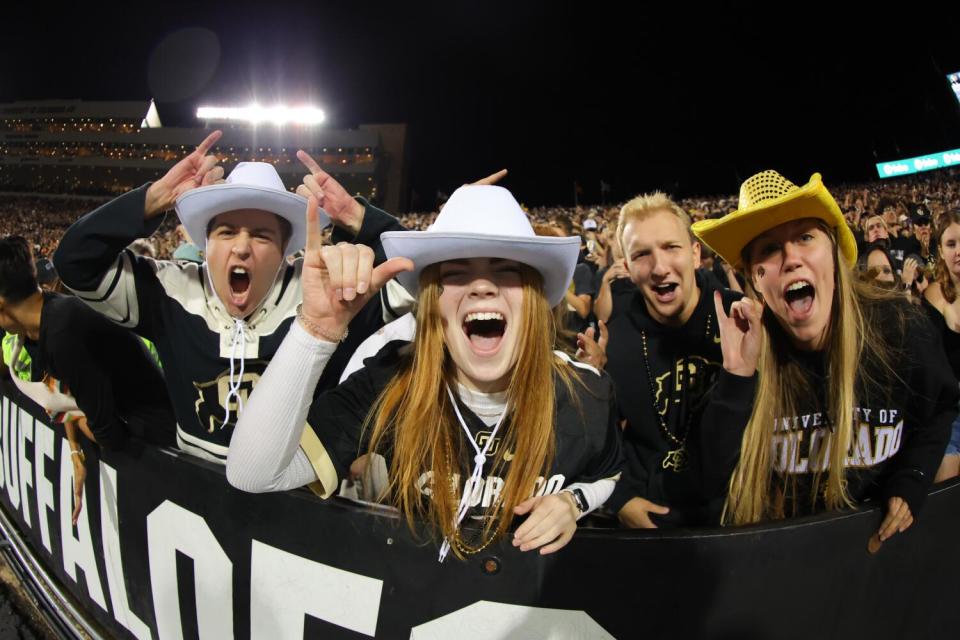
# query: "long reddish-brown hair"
414 420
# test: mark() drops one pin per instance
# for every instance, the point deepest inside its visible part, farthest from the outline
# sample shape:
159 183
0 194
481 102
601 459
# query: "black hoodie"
716 405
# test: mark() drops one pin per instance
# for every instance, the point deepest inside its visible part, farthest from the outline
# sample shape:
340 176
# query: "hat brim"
554 258
729 235
197 207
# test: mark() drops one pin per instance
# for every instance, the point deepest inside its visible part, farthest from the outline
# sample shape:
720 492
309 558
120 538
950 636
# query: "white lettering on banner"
171 528
284 587
891 169
43 443
112 559
484 619
10 457
77 552
25 468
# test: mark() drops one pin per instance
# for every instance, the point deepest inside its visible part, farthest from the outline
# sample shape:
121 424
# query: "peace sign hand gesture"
740 335
197 169
338 281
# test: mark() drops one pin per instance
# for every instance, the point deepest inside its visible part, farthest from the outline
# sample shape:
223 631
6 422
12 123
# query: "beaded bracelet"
316 330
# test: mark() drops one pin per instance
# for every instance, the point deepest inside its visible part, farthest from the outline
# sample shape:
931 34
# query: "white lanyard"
478 460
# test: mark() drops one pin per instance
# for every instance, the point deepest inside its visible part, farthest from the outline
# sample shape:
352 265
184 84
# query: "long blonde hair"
853 347
414 420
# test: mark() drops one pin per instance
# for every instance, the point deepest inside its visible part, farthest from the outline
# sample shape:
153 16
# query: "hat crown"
483 209
763 187
256 174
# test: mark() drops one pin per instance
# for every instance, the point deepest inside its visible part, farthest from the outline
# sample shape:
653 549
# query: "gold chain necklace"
676 458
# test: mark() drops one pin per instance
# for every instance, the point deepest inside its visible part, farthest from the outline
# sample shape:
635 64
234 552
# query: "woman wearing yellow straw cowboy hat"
477 416
855 398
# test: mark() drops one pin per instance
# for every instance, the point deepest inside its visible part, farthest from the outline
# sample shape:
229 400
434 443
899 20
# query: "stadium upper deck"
110 147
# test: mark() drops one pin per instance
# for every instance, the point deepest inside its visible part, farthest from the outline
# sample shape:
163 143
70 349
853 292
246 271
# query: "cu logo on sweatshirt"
691 377
211 402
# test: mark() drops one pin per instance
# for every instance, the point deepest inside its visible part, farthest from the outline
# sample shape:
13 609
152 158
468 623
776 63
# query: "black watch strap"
580 499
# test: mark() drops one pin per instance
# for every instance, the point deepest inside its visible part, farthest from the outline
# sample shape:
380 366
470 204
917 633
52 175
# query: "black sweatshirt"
716 405
173 305
106 368
587 440
901 422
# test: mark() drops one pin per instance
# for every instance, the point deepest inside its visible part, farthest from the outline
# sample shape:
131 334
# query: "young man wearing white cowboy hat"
216 324
478 403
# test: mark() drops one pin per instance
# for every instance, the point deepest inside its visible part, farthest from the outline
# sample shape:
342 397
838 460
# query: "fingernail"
361 287
349 293
339 294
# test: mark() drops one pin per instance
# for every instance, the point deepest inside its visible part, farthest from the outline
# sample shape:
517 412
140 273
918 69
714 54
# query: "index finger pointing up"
208 142
311 164
314 233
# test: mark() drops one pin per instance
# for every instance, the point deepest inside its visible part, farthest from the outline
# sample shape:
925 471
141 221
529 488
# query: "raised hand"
338 281
615 272
740 335
593 352
197 169
493 178
343 210
550 526
909 273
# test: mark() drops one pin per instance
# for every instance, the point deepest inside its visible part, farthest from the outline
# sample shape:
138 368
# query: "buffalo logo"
695 373
212 396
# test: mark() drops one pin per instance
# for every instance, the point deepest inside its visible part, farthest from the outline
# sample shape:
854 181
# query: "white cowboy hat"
483 221
251 185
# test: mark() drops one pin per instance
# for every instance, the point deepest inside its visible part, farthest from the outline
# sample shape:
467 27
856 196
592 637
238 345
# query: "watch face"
581 499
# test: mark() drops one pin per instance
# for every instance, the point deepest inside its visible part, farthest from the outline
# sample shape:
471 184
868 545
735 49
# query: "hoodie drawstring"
239 338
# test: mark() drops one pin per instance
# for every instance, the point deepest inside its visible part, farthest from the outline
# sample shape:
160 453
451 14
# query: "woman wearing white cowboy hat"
477 415
855 396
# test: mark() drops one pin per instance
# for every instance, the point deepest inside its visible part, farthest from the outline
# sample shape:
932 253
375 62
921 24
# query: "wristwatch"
579 499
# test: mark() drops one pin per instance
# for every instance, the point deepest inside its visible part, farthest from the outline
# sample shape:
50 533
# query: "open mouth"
665 292
484 330
799 296
239 280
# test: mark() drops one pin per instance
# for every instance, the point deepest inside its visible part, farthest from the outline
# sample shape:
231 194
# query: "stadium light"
256 114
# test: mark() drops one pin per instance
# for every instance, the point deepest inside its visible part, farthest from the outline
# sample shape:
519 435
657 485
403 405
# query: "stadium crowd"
661 315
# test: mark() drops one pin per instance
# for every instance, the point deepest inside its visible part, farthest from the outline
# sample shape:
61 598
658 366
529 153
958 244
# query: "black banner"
165 548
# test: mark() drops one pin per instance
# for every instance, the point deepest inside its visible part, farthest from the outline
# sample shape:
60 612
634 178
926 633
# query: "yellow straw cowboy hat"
767 200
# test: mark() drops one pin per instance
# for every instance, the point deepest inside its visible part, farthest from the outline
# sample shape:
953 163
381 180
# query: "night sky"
684 99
